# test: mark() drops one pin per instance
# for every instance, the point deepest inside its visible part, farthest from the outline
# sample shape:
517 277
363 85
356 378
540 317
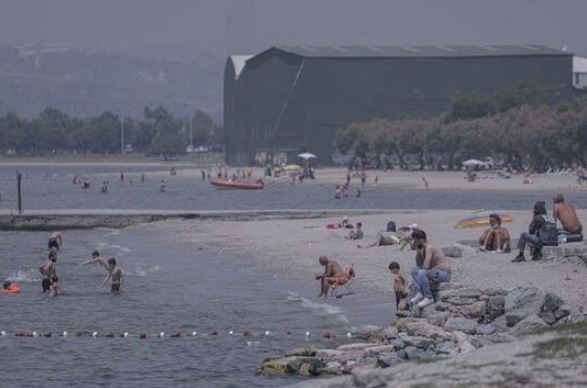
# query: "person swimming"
96 259
10 288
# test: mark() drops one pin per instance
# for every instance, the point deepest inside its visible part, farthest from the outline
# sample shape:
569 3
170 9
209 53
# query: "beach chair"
346 281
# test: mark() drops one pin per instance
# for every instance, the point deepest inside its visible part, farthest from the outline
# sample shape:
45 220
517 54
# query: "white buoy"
307 334
162 334
231 332
194 333
95 334
267 333
349 335
35 334
65 334
125 334
2 333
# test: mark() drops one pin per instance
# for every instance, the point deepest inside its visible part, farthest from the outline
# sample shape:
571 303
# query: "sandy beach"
290 248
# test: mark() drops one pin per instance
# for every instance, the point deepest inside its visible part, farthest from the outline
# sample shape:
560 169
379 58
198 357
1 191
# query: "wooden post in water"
18 181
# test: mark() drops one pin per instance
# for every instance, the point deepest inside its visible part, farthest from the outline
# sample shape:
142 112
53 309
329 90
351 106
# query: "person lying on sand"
331 270
542 231
96 259
496 238
566 214
357 233
431 265
382 238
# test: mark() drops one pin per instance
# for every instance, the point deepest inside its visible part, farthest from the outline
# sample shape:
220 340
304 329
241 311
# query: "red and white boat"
244 185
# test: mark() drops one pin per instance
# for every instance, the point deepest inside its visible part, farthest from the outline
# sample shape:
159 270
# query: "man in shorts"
115 275
48 271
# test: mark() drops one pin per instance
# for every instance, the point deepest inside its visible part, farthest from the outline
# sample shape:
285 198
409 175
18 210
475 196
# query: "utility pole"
18 182
191 135
121 134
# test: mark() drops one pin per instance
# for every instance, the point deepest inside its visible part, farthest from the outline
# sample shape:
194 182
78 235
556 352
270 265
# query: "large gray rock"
390 332
528 299
495 306
521 303
453 250
562 312
438 318
447 347
552 302
422 328
548 317
528 325
475 310
471 293
485 329
387 360
465 325
419 341
512 318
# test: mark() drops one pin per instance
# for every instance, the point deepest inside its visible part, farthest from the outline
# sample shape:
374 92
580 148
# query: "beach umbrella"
480 218
473 163
307 155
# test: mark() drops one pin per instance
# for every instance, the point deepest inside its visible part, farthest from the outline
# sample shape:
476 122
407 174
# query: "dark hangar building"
292 99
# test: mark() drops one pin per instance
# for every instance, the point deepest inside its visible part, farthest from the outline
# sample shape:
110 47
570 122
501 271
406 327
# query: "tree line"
158 132
515 126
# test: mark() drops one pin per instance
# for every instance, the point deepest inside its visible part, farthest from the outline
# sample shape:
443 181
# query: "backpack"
548 234
390 226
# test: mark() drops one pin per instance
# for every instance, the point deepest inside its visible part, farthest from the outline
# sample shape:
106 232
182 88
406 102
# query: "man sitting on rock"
331 270
431 265
566 214
542 231
496 238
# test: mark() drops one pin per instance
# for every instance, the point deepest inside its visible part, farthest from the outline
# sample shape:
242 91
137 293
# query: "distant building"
580 73
286 100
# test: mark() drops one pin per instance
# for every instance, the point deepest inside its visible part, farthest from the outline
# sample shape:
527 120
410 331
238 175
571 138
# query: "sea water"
171 286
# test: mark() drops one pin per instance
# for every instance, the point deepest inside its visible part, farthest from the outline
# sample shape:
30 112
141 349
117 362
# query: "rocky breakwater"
462 321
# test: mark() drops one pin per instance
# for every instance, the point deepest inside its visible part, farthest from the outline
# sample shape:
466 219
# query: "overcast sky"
245 26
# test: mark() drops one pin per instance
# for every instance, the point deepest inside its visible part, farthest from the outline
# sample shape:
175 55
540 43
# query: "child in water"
115 275
55 286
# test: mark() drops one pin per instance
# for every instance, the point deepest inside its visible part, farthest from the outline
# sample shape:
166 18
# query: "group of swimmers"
50 282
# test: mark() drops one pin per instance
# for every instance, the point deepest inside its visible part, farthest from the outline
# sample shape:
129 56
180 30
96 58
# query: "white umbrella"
473 162
307 155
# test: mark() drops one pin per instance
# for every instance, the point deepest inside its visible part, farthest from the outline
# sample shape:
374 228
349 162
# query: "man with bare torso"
96 259
566 214
431 264
331 270
47 270
115 275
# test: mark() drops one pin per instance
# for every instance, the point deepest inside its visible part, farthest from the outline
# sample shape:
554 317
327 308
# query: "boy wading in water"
115 275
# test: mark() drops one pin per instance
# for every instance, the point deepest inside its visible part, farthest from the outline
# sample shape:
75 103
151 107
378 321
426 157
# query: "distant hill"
87 81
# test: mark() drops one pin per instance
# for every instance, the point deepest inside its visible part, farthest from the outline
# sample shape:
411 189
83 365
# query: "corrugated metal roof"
579 65
420 51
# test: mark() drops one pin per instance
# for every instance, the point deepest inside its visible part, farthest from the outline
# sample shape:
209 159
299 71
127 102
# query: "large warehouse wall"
330 93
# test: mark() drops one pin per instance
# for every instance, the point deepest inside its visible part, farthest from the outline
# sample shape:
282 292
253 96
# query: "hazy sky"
243 26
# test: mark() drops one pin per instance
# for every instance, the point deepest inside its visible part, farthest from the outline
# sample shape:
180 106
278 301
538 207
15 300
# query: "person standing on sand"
426 185
431 265
566 214
331 270
400 283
